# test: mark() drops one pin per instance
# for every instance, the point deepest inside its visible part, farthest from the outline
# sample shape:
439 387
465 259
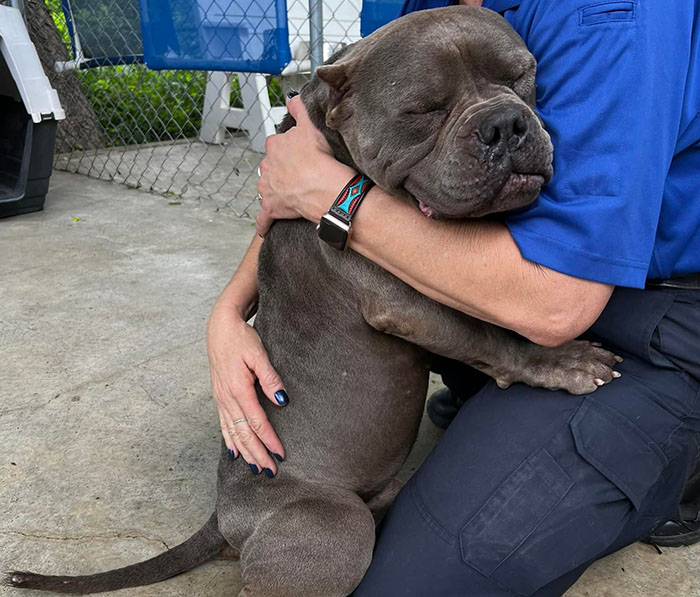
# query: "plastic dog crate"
29 111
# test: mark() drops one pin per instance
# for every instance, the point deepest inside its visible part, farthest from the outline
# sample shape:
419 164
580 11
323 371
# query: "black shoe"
443 406
685 529
675 533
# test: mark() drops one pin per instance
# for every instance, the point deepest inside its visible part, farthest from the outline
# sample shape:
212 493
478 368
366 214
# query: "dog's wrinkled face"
469 146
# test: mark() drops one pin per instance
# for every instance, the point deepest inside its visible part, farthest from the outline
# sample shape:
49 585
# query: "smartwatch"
336 225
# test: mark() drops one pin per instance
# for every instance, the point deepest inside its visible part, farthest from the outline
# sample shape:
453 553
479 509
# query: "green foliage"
59 20
136 105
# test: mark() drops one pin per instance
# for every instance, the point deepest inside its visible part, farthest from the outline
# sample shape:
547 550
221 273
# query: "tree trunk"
80 129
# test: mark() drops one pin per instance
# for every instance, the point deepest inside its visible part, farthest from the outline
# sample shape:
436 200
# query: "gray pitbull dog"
437 108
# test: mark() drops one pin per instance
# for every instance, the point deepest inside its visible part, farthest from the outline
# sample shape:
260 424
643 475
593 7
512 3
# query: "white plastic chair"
257 117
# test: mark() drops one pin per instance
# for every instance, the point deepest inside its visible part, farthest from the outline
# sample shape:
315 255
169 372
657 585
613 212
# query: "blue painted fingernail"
269 473
231 454
254 468
279 458
292 94
281 397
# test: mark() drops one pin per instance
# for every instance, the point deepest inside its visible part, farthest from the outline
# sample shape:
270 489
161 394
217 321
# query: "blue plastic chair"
216 35
102 33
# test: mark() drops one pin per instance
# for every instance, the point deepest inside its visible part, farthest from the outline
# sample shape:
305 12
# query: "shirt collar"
500 5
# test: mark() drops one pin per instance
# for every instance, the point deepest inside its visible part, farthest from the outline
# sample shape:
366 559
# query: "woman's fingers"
242 446
263 222
259 425
228 439
305 127
268 378
224 417
244 429
254 437
229 413
297 110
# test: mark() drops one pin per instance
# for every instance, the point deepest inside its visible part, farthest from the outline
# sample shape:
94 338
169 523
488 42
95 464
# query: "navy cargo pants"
528 487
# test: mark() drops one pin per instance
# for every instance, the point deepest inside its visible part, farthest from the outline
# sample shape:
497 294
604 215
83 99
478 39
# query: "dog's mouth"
519 190
429 211
518 182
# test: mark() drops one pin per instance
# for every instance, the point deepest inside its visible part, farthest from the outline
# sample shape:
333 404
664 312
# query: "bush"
135 105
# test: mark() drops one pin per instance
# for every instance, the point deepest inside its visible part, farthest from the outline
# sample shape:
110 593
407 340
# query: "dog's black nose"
503 126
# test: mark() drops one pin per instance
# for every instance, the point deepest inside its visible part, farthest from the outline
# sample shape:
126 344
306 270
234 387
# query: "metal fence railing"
189 134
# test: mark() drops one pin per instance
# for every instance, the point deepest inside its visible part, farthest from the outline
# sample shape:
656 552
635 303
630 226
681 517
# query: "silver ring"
258 171
239 421
259 198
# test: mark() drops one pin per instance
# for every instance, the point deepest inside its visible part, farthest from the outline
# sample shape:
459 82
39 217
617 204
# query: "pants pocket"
513 511
617 448
566 504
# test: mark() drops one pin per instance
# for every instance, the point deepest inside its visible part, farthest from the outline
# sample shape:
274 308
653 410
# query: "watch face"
333 234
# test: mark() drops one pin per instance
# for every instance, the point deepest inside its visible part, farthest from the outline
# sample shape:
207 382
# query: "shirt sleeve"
610 84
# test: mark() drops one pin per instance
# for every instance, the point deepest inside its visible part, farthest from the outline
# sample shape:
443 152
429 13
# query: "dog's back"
356 399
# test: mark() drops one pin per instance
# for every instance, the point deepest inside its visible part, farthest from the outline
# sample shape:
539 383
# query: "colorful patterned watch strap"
350 197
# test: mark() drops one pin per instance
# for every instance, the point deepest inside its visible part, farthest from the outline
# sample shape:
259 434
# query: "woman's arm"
476 267
237 358
473 266
241 293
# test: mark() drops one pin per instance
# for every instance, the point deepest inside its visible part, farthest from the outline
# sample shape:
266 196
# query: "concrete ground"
220 174
108 434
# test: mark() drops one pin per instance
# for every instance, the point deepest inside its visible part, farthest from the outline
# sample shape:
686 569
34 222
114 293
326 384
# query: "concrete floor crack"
82 538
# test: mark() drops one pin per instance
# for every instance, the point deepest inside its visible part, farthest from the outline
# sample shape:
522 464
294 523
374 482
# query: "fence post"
316 33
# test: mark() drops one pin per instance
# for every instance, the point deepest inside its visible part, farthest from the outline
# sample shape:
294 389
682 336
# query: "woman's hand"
237 358
299 177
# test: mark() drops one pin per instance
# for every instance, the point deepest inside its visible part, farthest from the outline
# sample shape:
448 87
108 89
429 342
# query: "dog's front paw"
579 367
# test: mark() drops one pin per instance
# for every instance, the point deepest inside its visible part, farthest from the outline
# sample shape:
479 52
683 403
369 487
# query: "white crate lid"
39 98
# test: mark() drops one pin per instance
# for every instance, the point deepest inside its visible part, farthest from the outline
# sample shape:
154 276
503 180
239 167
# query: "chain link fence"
190 135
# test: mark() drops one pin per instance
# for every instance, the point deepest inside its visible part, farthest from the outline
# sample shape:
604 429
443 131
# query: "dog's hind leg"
379 504
317 546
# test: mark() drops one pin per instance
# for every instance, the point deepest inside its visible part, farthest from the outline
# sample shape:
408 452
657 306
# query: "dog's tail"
201 546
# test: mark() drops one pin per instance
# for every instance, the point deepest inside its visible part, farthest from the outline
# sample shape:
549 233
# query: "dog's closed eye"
432 108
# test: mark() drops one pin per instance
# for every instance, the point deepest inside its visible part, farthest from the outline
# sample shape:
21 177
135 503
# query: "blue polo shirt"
618 87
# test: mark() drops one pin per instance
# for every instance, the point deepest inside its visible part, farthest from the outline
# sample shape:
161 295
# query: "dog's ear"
337 76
